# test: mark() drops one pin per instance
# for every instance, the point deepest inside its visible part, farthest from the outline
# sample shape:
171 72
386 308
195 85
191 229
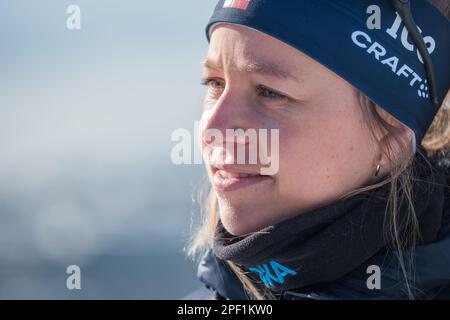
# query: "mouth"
227 178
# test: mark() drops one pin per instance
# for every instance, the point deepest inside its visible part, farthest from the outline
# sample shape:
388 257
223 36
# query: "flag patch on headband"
238 4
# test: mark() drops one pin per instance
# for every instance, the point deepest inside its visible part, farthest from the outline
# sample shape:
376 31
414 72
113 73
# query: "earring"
378 167
377 170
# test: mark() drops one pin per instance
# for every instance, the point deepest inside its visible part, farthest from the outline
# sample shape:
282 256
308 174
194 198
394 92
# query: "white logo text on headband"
379 52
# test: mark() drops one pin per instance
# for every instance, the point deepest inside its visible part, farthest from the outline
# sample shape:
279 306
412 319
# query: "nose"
230 112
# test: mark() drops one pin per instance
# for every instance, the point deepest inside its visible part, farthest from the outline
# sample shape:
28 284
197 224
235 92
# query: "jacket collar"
218 276
431 275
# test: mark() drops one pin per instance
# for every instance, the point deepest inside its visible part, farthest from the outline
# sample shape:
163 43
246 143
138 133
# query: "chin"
240 221
235 228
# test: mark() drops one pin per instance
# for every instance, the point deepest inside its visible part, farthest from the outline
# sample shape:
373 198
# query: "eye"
269 93
214 85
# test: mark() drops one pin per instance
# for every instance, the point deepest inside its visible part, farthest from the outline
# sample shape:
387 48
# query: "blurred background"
86 118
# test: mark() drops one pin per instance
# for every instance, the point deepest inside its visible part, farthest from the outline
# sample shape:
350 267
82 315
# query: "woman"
359 206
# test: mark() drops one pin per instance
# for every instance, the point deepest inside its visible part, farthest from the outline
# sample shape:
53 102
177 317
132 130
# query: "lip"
231 177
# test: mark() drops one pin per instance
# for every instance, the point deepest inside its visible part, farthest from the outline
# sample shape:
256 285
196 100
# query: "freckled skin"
322 154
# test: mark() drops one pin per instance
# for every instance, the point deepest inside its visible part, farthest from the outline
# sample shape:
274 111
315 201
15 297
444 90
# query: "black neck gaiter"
325 244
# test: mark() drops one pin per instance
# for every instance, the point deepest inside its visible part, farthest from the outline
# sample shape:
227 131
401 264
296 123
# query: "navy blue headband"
383 63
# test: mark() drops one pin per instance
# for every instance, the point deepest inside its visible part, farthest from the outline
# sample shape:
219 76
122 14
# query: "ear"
389 143
397 144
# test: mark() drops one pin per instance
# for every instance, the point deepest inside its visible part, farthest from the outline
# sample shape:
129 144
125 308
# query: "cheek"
322 154
305 163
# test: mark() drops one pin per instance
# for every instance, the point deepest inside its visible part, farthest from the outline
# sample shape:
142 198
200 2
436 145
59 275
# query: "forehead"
240 47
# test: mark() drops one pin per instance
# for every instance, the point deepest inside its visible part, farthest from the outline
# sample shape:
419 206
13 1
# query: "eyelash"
207 81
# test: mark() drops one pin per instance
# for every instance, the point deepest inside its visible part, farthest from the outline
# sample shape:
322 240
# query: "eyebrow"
258 67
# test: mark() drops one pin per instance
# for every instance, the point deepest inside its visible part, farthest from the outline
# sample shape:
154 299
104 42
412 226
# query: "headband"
366 42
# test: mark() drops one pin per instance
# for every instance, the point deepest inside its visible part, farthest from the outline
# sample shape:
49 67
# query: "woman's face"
326 149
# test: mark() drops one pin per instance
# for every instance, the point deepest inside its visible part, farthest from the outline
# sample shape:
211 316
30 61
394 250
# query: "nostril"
212 136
